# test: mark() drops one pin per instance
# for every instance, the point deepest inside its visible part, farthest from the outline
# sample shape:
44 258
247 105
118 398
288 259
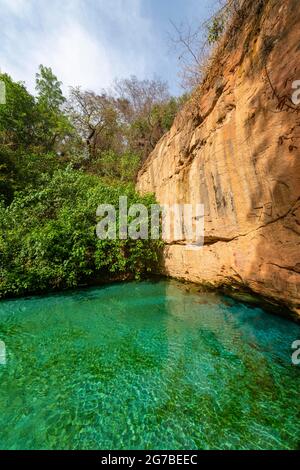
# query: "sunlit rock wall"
236 148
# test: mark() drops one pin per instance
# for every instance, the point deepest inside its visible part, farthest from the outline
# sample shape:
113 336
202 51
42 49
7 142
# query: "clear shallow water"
146 366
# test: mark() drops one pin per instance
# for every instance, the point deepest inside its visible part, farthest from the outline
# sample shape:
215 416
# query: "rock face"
235 147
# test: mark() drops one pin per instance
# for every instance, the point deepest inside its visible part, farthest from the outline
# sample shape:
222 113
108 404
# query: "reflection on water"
146 365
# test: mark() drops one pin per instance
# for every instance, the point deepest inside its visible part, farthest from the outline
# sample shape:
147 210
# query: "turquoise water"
146 366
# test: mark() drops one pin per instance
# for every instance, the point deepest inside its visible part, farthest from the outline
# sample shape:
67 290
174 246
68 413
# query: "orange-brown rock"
235 147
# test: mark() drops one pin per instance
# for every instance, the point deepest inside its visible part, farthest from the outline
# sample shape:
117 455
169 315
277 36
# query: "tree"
49 89
140 95
17 116
29 129
194 44
17 133
54 126
102 133
142 104
8 175
188 45
95 118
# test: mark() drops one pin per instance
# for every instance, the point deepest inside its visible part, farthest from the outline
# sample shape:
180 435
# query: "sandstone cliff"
236 148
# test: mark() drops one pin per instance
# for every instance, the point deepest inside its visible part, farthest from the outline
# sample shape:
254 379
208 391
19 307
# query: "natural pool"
146 366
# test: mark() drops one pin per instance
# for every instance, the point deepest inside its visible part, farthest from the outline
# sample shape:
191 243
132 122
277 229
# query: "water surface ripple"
146 366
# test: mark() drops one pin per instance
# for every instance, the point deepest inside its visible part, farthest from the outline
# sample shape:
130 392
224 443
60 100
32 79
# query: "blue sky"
91 42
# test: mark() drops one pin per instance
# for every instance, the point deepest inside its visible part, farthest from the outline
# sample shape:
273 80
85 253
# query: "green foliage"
32 169
8 175
50 186
17 116
163 115
146 130
48 239
114 166
215 29
31 130
96 120
53 124
20 170
219 22
34 125
49 89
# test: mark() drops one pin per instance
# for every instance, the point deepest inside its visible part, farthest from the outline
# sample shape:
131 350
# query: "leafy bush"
20 170
48 239
58 163
121 167
8 175
17 116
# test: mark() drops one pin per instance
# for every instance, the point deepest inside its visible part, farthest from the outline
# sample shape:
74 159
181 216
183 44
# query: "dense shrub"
48 239
114 167
58 162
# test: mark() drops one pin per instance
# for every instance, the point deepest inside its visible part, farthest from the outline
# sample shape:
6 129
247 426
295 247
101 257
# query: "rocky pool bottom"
146 366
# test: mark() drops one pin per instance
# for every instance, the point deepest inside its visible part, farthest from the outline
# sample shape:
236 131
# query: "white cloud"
86 42
17 7
76 58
